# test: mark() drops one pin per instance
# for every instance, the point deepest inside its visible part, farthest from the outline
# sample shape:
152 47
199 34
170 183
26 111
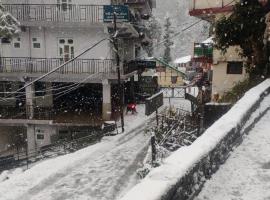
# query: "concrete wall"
165 78
47 131
49 41
183 174
222 81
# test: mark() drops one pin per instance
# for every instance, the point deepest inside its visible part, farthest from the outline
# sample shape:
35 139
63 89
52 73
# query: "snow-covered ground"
103 171
246 174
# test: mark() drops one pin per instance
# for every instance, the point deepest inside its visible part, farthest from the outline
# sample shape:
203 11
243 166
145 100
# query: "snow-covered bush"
9 25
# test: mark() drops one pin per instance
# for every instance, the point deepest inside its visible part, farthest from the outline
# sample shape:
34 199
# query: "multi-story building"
80 94
227 68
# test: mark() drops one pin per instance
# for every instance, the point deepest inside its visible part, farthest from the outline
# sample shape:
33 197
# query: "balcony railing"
205 7
44 65
56 12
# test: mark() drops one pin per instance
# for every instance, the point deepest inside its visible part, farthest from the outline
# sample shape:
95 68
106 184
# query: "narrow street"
101 176
100 172
246 174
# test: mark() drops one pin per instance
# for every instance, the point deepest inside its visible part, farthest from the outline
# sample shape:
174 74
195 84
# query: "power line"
59 67
185 29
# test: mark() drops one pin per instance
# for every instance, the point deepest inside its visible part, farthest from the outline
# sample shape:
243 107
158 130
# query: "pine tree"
167 40
8 24
153 31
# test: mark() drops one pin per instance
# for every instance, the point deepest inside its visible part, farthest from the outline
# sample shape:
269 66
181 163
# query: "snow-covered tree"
9 25
167 40
153 31
245 27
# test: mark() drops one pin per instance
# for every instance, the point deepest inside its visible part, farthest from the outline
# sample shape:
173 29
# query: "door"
66 49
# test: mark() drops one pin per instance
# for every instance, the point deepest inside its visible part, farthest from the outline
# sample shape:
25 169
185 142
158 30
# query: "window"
5 41
235 68
17 43
174 79
36 43
40 89
5 88
40 136
66 49
64 5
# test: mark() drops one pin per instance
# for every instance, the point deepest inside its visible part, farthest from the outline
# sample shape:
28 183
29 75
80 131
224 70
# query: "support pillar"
31 140
30 93
106 104
132 92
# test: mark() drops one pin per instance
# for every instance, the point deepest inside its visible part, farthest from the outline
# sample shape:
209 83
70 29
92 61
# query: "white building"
55 31
228 68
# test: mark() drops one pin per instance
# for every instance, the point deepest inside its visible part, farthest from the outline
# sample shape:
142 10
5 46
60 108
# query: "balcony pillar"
132 93
31 140
106 104
30 94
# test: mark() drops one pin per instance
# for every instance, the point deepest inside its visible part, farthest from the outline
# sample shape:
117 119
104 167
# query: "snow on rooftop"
209 40
184 59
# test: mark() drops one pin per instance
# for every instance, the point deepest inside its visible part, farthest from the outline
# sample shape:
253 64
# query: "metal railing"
23 112
56 12
174 92
44 65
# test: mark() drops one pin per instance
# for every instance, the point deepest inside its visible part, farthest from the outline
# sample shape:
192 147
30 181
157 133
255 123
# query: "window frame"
235 68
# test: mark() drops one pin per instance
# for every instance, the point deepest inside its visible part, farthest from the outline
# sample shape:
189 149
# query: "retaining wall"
183 173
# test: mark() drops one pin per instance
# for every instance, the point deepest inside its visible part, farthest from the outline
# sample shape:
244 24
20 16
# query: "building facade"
83 93
227 68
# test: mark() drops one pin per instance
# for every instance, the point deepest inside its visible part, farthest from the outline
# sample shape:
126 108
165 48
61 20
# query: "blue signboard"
122 13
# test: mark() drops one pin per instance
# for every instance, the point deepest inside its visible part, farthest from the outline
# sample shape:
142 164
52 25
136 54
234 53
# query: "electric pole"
120 89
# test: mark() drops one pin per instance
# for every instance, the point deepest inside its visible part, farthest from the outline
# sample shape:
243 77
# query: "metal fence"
25 158
56 12
174 92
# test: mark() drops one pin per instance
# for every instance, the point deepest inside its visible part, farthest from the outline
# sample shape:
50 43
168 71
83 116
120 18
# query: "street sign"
122 13
143 64
153 103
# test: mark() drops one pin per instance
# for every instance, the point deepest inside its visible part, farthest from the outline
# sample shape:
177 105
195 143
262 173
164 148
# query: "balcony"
34 14
207 9
17 68
44 65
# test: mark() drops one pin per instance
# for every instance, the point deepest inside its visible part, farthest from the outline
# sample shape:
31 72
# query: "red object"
131 107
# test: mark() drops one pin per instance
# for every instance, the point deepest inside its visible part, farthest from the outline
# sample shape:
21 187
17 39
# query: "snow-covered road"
104 171
246 174
99 172
101 176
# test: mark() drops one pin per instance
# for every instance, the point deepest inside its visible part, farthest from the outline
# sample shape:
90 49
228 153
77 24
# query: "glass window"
5 41
235 68
62 41
70 41
17 45
34 39
174 79
40 136
40 89
36 45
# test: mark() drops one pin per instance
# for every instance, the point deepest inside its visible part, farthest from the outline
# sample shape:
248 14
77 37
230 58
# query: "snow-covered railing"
44 65
182 175
56 12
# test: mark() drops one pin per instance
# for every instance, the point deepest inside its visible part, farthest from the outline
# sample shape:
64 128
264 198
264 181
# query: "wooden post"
154 151
157 116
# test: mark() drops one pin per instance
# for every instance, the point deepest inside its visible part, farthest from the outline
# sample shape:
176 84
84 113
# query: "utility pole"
120 89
